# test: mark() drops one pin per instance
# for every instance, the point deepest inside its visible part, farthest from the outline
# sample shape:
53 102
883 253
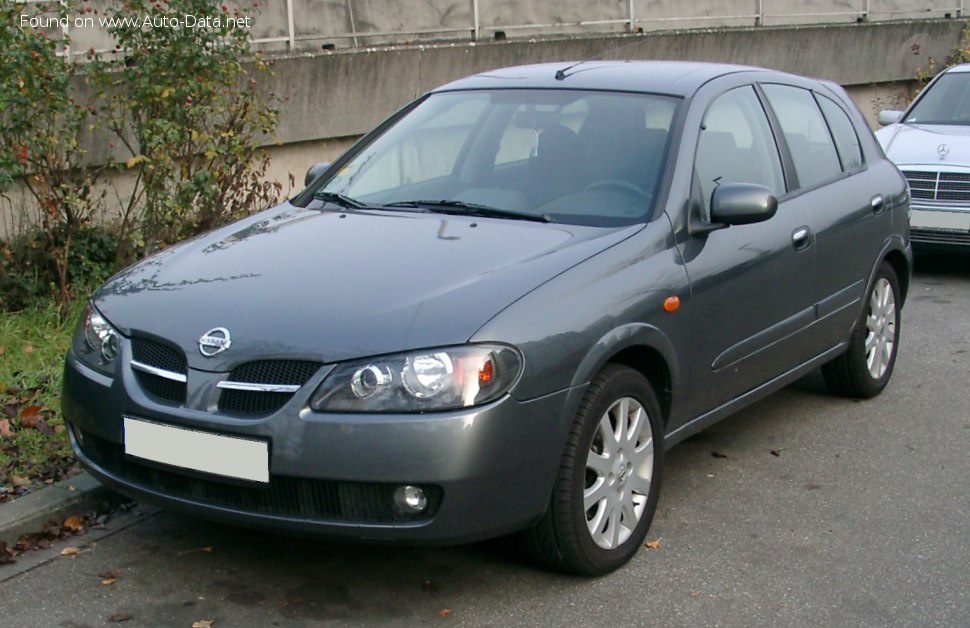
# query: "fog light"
410 499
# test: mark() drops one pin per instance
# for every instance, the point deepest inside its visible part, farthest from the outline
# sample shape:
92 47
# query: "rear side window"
806 133
846 140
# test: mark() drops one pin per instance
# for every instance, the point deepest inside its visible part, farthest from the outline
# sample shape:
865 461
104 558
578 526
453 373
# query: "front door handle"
801 238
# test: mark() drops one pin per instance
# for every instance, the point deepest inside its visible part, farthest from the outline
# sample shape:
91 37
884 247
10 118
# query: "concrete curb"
73 496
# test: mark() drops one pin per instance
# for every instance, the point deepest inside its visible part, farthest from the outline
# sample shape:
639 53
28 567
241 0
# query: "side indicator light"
671 304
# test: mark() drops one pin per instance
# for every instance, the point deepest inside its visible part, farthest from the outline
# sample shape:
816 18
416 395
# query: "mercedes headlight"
420 381
96 341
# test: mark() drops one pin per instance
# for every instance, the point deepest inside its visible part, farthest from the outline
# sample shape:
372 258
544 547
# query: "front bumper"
488 470
936 226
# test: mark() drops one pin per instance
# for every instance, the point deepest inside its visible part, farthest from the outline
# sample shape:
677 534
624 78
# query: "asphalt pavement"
805 509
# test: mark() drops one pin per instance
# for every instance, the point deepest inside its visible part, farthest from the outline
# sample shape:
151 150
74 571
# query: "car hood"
919 144
331 286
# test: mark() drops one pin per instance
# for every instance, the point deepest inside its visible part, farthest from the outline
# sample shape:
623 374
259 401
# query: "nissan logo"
214 341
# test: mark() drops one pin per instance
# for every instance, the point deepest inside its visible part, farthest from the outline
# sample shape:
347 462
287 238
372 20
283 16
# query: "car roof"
676 78
963 67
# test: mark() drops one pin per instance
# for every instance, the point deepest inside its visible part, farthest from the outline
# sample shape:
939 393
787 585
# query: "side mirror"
889 116
742 204
315 171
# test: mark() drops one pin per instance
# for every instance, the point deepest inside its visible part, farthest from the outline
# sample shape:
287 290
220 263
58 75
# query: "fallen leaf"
28 349
37 422
6 556
5 428
119 617
695 593
652 544
718 454
19 481
445 612
776 453
108 581
69 551
29 412
73 524
203 623
110 573
207 550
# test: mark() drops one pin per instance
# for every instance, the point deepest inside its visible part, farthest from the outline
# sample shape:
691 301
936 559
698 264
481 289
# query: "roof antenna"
561 74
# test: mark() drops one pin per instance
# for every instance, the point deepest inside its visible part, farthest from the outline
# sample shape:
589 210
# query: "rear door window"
846 139
806 133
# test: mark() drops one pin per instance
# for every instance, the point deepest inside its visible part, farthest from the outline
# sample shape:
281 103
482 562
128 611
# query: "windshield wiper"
340 199
461 208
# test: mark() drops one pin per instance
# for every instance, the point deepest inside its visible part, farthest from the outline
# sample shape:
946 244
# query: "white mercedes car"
930 143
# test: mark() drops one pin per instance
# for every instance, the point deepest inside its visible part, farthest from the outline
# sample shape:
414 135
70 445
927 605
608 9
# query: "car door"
752 285
833 185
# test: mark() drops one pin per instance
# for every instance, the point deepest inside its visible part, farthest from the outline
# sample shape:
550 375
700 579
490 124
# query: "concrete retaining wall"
307 25
343 94
333 97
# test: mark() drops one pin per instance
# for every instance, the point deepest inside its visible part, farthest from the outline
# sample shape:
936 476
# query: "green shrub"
29 272
40 124
185 104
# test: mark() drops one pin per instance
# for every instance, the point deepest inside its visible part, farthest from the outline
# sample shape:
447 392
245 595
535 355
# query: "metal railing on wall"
763 12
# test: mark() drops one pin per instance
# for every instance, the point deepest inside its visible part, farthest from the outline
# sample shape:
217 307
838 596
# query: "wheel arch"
902 266
645 349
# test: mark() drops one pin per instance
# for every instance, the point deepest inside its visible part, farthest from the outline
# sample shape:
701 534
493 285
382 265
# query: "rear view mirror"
889 116
315 171
742 204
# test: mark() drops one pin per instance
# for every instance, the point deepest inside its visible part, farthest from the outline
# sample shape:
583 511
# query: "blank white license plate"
940 220
228 456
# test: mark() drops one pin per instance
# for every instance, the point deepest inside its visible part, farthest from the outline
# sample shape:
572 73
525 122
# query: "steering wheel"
616 184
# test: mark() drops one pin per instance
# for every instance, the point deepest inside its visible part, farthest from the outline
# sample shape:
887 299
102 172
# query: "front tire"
609 478
863 371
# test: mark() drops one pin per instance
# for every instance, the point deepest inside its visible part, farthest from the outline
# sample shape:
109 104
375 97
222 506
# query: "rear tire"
609 478
864 369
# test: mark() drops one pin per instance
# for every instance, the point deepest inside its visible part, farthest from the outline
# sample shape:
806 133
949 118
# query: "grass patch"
34 449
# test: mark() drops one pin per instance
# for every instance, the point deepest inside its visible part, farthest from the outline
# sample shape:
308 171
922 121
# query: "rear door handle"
878 203
801 238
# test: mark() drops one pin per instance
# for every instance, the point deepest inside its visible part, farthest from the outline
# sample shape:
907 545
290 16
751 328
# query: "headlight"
420 381
96 341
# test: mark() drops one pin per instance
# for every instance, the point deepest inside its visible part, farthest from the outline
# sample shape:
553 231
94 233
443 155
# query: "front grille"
942 238
941 187
275 372
166 358
301 498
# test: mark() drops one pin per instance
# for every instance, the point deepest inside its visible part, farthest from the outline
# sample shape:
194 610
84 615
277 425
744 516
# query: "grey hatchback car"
497 310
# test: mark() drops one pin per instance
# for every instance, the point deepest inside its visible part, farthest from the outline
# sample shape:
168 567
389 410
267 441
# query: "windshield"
570 156
947 101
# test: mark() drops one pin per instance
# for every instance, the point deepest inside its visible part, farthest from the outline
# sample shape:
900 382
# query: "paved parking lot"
805 509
